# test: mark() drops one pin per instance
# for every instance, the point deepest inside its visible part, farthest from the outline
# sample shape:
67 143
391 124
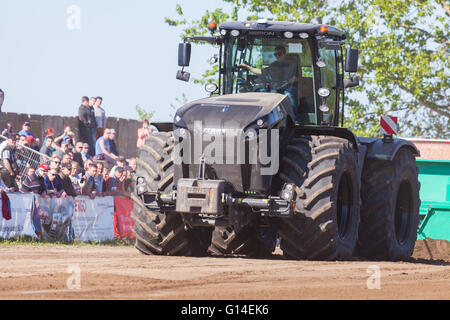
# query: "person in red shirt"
143 133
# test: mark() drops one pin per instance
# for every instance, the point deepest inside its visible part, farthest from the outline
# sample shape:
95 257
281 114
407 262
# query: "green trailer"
434 178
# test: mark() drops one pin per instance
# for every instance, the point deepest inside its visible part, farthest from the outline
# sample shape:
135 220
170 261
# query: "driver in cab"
279 76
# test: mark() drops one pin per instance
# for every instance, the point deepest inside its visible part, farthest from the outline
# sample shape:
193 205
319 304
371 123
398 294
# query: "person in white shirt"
100 117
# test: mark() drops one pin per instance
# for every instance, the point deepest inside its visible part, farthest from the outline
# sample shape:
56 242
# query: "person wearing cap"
68 135
31 143
115 184
103 148
85 155
26 131
120 162
9 166
69 188
35 182
65 147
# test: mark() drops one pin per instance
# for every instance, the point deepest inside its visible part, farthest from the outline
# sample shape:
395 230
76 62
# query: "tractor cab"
302 61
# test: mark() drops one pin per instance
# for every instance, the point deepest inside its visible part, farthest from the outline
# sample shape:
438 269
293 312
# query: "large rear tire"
326 220
390 208
159 232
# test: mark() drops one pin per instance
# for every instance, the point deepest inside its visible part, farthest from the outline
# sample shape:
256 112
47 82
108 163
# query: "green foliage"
404 55
144 114
180 101
28 240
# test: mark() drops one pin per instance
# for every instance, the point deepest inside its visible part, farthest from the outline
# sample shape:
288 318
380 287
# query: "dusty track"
40 272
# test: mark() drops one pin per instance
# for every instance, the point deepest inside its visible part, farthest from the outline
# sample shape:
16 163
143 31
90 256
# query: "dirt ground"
107 272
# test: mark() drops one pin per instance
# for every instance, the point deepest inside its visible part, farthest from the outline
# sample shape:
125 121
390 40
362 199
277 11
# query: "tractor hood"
235 111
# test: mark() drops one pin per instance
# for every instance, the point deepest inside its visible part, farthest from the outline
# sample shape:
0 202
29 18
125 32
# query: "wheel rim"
403 212
344 205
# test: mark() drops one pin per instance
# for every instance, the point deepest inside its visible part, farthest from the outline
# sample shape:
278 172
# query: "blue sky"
123 51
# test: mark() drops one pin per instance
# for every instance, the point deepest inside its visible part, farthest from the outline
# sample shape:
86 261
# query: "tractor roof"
263 27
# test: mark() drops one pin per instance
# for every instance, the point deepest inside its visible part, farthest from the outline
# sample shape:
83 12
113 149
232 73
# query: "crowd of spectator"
89 166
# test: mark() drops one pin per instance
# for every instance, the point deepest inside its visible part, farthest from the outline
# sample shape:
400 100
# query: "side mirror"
351 60
351 82
184 54
183 75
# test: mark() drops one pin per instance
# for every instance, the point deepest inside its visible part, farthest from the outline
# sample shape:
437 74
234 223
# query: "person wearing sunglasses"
55 162
54 184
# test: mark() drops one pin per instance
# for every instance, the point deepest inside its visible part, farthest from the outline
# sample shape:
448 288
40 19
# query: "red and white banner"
123 222
388 125
93 219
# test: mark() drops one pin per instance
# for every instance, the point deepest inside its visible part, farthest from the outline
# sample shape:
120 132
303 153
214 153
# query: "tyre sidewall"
404 171
347 165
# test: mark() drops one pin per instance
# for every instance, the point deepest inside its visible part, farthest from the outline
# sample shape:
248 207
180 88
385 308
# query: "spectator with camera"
7 130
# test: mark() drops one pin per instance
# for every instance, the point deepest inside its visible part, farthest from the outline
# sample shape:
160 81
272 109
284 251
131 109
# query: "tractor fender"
381 149
328 131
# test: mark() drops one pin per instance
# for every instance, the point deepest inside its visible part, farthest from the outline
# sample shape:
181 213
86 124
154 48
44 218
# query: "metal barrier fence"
26 158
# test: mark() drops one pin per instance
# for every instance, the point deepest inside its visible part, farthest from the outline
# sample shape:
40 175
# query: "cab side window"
328 80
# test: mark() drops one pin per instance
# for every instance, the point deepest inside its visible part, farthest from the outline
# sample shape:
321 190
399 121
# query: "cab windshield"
272 65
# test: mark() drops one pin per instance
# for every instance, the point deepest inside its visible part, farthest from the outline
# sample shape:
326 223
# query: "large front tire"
159 232
326 220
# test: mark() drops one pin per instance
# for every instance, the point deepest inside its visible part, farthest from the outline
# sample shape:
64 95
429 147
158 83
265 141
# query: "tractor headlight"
235 33
288 34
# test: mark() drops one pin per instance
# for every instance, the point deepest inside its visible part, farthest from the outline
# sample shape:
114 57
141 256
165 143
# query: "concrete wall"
126 129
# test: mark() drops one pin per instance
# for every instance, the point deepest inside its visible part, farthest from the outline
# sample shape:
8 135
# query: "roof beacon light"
212 27
323 29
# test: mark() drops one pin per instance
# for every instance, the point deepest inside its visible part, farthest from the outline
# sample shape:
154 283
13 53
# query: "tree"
144 114
404 55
